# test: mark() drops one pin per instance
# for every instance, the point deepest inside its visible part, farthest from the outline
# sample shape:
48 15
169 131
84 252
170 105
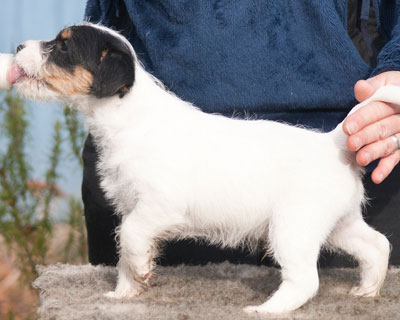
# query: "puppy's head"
85 60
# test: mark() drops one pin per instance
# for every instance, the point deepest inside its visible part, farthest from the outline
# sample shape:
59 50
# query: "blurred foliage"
76 132
27 204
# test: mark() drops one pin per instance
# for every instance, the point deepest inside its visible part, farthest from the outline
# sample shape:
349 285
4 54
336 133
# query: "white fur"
175 172
33 60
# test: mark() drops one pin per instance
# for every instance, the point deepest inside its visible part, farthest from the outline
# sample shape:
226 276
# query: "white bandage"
5 65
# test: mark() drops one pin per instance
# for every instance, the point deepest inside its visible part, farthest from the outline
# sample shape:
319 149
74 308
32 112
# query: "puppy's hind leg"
137 248
295 244
370 248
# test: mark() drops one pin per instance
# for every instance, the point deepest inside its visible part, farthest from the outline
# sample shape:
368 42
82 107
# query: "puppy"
173 171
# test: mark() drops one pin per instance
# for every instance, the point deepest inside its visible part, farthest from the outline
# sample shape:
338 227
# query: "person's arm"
371 127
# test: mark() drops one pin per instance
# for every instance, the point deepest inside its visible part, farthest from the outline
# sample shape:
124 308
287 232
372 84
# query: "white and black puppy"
173 171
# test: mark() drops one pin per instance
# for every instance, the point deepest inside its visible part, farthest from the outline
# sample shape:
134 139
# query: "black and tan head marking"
66 33
88 60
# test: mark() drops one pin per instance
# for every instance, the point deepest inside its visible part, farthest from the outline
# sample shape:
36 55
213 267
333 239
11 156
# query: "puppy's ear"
114 75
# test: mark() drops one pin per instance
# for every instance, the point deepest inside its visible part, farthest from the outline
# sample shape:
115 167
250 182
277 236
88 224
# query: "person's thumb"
363 89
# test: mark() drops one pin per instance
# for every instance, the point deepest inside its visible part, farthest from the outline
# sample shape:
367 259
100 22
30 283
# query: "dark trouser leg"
99 215
383 213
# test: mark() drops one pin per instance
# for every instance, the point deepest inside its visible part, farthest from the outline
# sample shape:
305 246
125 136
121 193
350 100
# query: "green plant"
75 247
27 222
76 132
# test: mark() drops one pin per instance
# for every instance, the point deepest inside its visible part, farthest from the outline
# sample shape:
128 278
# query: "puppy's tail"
389 93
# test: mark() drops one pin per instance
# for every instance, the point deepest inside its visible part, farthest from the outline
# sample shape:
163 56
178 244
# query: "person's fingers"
377 130
362 129
385 167
376 150
372 112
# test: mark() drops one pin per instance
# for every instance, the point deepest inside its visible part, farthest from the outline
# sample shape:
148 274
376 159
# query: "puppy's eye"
63 46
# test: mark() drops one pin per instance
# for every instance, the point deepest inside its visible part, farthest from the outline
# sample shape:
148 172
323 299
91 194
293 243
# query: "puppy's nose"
20 47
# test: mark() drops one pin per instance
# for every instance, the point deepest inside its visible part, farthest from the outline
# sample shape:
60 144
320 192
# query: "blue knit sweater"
290 60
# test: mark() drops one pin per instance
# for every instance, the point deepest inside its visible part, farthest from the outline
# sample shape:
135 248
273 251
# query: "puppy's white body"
174 172
220 177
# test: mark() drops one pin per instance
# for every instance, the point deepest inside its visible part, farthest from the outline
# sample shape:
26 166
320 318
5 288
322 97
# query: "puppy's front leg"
136 251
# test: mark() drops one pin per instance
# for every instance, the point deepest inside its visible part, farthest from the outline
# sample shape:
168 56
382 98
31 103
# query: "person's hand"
371 127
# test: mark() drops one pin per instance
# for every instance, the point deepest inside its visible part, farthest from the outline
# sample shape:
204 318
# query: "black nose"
20 47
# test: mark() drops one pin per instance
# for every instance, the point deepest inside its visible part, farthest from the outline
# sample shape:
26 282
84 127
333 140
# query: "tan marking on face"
124 89
66 33
103 54
67 83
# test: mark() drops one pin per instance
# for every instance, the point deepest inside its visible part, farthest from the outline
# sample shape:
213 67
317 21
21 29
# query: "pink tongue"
16 73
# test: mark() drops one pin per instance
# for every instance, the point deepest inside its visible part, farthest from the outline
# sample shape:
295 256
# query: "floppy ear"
114 75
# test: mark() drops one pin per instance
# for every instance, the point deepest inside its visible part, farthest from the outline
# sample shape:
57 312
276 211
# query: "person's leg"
383 211
99 215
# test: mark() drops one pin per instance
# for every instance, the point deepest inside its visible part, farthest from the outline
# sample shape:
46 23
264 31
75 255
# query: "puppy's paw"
251 309
261 309
143 271
268 309
111 295
122 295
361 291
143 277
